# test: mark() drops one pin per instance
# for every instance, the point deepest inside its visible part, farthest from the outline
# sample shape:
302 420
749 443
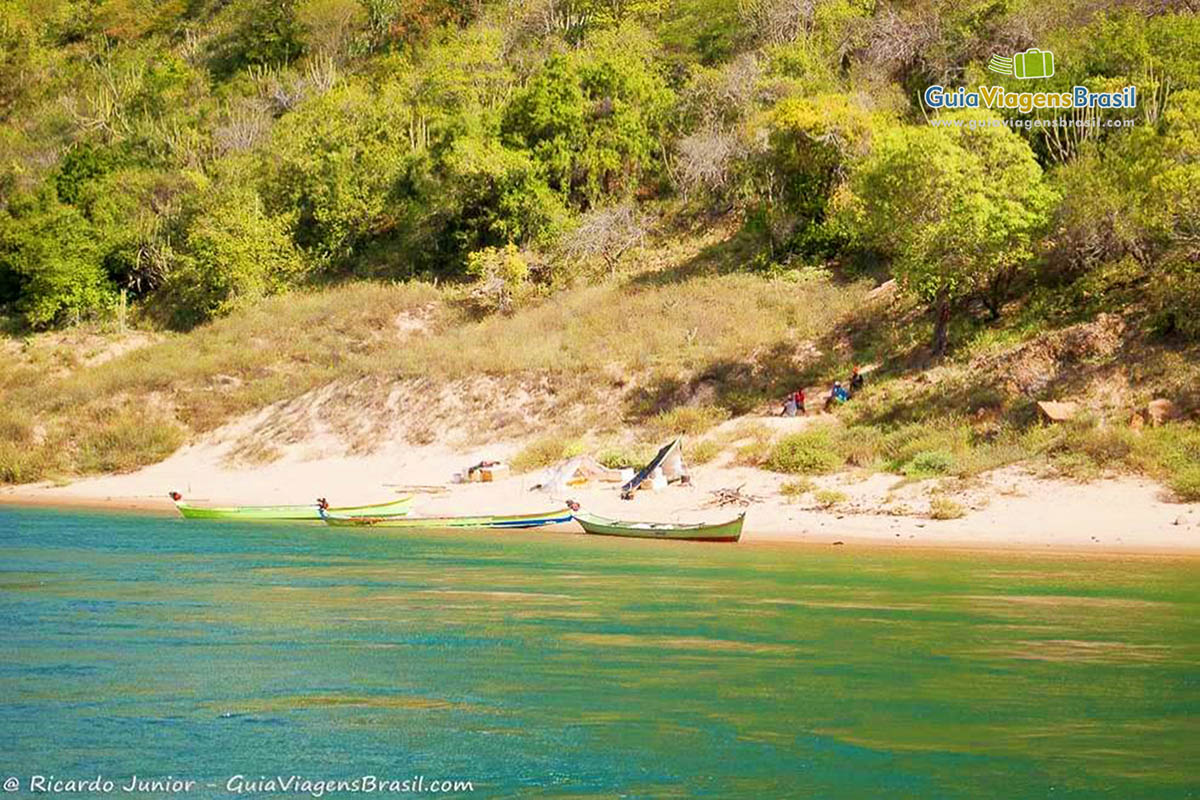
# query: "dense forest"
177 160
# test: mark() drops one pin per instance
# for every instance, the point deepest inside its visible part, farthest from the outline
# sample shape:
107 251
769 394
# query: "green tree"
232 254
265 34
1172 214
956 209
55 256
472 194
334 162
595 117
706 30
136 209
18 56
811 143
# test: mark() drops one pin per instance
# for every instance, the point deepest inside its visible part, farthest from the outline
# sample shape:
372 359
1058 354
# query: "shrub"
633 456
810 453
265 34
794 489
336 159
1075 467
942 507
23 463
477 194
686 420
928 464
828 498
1186 484
907 442
126 441
752 454
703 452
607 232
739 401
861 445
543 452
1110 445
501 275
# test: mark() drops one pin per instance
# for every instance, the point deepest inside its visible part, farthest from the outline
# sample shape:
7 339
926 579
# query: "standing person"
798 398
856 382
789 407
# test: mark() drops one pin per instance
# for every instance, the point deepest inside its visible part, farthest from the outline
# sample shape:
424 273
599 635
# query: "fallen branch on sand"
732 497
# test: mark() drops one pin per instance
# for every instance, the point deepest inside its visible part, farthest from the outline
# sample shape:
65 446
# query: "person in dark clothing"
856 382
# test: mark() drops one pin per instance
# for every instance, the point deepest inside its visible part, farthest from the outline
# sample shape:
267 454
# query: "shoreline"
1012 509
842 536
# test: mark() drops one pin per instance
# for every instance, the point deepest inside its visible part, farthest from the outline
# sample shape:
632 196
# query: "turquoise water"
549 665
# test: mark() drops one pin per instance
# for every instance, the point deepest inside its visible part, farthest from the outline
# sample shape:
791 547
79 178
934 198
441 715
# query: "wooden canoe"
434 523
729 531
391 508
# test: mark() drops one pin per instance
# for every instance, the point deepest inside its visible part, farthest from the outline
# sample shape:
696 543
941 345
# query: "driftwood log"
406 488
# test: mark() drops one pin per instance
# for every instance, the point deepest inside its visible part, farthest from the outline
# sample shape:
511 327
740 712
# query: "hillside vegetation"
647 206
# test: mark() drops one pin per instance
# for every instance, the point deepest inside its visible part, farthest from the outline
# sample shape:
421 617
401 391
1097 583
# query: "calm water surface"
549 665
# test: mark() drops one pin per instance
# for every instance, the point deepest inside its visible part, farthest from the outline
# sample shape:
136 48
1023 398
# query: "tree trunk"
941 326
998 290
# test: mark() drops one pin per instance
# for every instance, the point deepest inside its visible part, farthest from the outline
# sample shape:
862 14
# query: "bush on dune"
810 453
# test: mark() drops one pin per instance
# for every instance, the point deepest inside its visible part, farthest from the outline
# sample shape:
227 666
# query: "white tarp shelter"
578 471
668 463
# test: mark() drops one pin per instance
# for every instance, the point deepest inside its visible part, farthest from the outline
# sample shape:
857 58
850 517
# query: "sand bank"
1009 509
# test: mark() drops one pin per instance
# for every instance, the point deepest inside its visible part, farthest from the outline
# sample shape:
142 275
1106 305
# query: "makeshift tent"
578 471
669 462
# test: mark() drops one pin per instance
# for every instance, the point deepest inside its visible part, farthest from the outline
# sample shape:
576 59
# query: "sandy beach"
1009 508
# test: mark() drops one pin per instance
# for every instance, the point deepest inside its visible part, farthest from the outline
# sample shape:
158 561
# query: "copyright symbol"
11 784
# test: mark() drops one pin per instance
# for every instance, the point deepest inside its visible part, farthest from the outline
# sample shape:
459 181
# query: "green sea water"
552 665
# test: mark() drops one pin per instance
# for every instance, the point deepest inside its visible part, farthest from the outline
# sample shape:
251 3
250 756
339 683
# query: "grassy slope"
60 418
677 342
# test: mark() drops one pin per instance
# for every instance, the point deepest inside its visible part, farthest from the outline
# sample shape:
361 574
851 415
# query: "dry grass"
828 498
942 507
544 452
751 442
793 490
671 348
136 408
577 342
685 420
703 451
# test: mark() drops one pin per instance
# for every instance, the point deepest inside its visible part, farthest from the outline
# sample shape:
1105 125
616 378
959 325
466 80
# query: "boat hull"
393 508
730 531
556 517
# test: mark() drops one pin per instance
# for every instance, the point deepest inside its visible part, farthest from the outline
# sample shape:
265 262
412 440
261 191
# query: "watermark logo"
1033 63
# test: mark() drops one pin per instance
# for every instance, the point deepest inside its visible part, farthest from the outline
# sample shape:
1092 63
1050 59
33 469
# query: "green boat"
392 508
729 531
560 515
